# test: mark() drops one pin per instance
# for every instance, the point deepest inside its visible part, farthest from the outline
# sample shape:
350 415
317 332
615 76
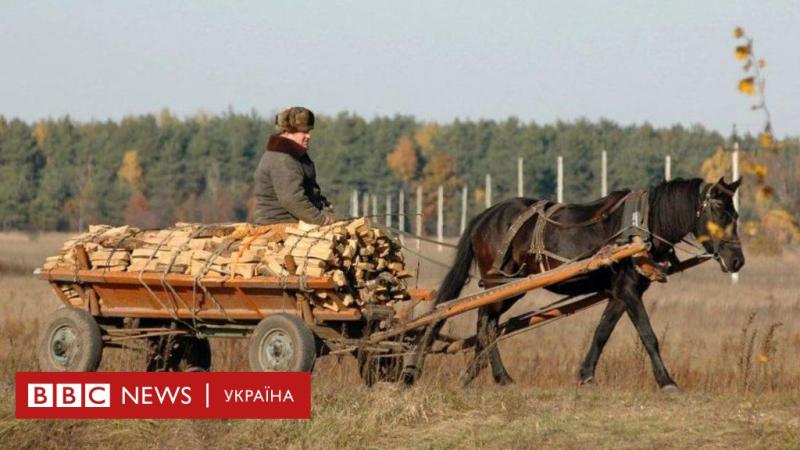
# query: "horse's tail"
457 276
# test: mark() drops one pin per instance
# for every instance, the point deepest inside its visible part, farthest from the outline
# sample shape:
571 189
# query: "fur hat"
295 118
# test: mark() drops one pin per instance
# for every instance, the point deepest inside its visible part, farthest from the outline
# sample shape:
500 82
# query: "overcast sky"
629 61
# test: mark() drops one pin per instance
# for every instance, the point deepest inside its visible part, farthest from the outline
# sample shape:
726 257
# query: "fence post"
560 181
488 190
365 204
603 174
353 210
389 210
520 183
419 215
440 216
735 170
374 208
668 167
401 214
463 210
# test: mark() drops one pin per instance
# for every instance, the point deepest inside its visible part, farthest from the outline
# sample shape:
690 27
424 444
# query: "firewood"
309 262
246 270
290 263
176 258
339 278
354 255
313 272
322 253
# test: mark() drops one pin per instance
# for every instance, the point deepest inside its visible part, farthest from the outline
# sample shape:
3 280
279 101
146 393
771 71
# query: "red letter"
68 395
39 395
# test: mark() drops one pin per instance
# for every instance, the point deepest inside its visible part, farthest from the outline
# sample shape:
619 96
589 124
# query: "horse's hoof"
670 390
408 377
467 378
588 381
504 380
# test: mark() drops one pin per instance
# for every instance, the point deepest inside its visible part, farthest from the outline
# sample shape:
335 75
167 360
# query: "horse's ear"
721 180
735 185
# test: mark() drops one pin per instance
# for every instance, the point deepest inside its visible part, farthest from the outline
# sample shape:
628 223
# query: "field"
732 349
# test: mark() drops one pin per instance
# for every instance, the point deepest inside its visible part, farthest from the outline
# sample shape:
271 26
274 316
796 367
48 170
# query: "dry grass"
733 351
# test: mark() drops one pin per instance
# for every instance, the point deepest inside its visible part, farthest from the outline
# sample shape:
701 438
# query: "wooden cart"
176 314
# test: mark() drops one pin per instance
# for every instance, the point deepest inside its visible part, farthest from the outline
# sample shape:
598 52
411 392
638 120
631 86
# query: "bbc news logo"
240 395
69 395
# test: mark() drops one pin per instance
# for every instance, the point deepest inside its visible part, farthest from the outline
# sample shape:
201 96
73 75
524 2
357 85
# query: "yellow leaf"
748 86
702 238
757 170
766 140
738 32
762 358
715 230
763 194
742 52
751 228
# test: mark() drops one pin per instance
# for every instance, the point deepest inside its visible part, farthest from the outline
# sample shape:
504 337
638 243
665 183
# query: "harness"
635 220
633 226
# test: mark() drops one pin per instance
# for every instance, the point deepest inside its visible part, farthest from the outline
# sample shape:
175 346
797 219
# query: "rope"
150 291
204 271
169 286
403 232
423 257
421 238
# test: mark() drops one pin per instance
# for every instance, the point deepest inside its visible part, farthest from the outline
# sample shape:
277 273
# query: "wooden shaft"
530 319
508 290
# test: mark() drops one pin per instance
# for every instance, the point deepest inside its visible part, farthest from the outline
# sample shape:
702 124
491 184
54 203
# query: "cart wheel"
282 343
70 343
374 368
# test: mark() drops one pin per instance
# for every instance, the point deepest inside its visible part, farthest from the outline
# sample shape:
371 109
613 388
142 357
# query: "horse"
675 209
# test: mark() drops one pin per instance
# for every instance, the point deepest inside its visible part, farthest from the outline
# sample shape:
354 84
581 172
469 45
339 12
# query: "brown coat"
286 186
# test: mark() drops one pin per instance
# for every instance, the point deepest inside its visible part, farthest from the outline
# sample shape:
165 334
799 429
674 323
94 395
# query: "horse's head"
716 224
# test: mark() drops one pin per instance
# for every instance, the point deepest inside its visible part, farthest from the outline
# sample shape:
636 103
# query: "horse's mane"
673 205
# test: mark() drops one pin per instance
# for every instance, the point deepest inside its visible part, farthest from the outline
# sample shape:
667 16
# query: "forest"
157 169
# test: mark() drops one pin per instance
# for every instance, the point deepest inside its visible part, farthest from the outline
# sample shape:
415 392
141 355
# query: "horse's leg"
499 372
608 322
479 360
630 292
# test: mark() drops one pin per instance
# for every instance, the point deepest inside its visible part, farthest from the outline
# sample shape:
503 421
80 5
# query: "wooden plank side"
154 279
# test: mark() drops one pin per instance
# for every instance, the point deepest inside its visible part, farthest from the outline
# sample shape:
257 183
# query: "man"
286 187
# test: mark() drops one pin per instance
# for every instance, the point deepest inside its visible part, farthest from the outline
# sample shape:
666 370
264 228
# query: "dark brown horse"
676 209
